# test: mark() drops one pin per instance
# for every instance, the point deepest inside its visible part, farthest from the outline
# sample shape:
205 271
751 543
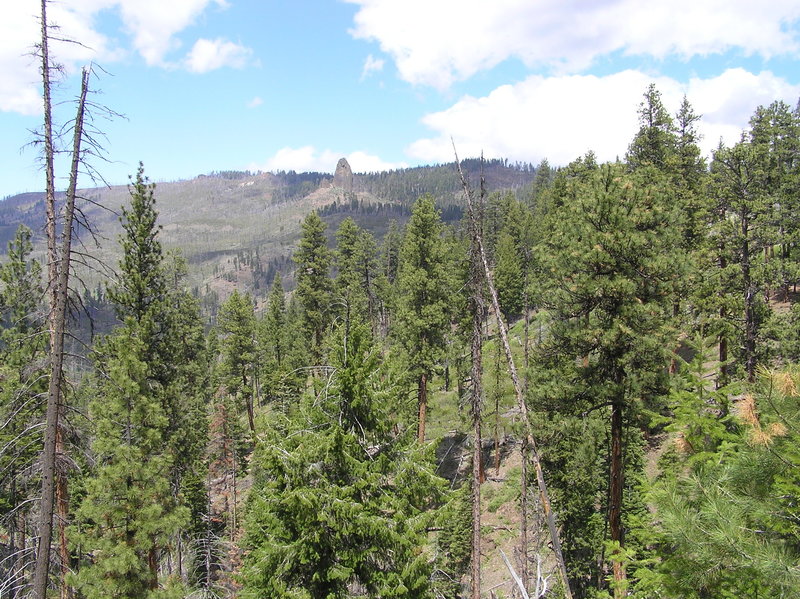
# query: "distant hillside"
236 229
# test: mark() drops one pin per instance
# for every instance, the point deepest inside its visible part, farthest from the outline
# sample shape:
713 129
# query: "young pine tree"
422 312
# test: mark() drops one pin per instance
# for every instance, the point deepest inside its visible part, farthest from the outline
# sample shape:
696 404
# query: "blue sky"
277 84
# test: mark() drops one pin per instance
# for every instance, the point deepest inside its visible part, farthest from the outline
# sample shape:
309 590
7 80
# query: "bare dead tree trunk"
51 422
615 495
523 508
545 498
58 285
62 509
497 412
422 400
476 307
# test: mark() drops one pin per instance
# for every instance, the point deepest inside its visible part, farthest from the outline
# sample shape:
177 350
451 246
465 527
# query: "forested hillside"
237 229
584 385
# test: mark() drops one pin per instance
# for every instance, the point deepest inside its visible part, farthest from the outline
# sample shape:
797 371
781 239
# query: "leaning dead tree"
523 408
476 306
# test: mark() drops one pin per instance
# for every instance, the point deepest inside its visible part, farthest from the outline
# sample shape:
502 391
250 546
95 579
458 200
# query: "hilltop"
237 228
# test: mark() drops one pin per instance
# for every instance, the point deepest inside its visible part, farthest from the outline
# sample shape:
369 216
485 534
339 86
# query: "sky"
207 85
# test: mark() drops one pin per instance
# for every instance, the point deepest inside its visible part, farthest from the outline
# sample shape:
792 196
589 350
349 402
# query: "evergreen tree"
655 142
237 327
129 514
281 361
157 356
22 347
141 284
339 502
357 264
742 215
313 261
509 276
612 262
729 518
423 298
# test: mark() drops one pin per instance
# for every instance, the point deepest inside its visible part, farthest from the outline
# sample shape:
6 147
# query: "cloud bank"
438 43
561 118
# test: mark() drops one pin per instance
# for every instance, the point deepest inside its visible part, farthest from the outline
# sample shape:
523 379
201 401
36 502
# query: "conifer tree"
742 215
423 302
237 326
129 514
21 382
281 360
612 262
655 142
157 394
313 261
338 500
357 265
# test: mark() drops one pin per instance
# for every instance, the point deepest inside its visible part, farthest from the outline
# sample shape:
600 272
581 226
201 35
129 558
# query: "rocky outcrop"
343 177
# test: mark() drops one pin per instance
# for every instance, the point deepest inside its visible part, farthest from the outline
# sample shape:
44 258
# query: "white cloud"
309 159
561 118
154 23
255 102
152 26
371 65
209 55
437 43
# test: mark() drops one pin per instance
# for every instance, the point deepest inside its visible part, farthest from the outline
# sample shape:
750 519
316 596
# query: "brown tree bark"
422 404
615 494
476 392
59 290
523 408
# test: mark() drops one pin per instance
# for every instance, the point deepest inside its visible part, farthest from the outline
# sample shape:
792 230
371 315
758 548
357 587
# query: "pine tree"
237 327
509 276
612 262
339 502
357 265
156 357
129 514
22 349
313 261
422 306
741 227
655 142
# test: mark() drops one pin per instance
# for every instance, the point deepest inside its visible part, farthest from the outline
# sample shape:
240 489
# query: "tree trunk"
503 330
58 312
53 397
62 510
476 374
422 400
749 303
523 508
615 494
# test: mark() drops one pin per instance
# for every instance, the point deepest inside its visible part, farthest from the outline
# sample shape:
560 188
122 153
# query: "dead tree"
523 408
58 296
476 306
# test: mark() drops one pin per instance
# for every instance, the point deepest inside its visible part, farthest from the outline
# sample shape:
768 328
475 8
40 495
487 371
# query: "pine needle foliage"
340 504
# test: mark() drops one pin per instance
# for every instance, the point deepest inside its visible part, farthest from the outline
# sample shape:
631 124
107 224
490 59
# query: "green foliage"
358 270
129 513
729 521
339 502
313 261
509 276
141 285
423 294
237 329
22 383
454 543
